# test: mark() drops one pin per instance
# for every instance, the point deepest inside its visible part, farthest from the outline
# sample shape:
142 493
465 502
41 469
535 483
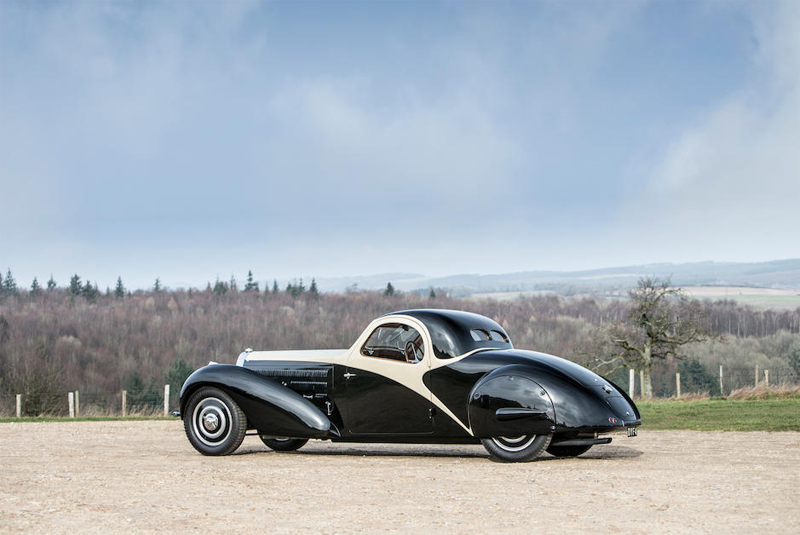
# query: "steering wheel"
411 352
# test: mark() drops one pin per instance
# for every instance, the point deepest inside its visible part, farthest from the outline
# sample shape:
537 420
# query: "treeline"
53 340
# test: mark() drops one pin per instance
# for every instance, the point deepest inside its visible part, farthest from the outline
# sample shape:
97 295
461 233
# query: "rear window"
479 335
497 336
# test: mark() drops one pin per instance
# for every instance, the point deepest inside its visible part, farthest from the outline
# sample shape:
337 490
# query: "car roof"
450 330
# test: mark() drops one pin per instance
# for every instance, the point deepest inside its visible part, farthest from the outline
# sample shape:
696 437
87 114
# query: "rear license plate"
631 431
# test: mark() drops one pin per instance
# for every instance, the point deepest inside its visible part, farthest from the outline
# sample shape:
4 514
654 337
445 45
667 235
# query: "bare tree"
661 320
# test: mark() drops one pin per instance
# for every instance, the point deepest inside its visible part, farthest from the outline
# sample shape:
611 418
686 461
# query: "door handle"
349 375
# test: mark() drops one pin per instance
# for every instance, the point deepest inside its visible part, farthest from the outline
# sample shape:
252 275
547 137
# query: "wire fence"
90 403
719 380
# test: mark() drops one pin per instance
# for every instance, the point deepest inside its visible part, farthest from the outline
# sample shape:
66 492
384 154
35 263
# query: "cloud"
732 177
470 137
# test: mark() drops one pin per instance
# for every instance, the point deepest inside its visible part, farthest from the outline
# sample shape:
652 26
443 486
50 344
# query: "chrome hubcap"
211 421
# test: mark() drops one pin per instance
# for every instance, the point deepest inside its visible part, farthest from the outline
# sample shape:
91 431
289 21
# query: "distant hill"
778 274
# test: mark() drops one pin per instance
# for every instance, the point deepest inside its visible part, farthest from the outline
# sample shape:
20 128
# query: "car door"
384 391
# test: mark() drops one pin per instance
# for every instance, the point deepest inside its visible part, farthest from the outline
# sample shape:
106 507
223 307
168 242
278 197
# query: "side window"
479 335
499 337
395 341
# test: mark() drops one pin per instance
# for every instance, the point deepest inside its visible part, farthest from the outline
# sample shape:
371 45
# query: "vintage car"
417 376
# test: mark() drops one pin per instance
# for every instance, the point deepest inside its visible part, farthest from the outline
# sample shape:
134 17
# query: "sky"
189 141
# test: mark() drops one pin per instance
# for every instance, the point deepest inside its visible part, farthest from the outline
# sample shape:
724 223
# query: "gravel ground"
145 477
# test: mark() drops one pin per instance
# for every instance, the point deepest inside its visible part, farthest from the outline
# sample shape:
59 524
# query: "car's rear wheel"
283 444
518 449
567 451
214 423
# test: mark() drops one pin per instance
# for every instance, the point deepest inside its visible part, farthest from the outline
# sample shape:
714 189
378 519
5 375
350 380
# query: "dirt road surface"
93 477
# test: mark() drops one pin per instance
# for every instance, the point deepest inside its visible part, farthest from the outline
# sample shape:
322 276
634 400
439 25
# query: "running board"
582 442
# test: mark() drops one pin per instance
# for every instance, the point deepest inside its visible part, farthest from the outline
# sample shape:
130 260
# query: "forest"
54 340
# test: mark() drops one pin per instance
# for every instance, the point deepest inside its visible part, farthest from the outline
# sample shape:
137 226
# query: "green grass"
722 414
85 419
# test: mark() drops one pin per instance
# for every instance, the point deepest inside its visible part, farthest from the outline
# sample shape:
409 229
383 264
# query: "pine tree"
295 288
177 373
89 292
313 290
9 284
220 288
233 287
432 294
35 288
157 285
119 289
389 289
75 286
274 286
250 285
51 284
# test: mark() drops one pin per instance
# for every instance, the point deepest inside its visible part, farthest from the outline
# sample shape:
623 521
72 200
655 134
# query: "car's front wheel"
516 449
283 444
214 423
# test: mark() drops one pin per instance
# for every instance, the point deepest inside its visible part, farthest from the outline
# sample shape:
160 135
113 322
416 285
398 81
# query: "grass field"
722 414
757 297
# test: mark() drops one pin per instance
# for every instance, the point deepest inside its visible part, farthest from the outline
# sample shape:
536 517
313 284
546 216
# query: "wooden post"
77 404
641 383
721 391
756 385
19 405
766 378
631 384
71 400
678 383
166 400
124 403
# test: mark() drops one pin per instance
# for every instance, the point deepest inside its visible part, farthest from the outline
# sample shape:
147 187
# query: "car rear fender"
576 405
510 402
270 407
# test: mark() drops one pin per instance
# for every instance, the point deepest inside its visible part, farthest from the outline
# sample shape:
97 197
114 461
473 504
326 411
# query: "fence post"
124 403
641 383
166 400
71 400
756 385
678 383
77 404
631 383
766 378
721 391
19 405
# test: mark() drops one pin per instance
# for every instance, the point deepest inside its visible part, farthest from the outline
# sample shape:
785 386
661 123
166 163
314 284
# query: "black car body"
418 376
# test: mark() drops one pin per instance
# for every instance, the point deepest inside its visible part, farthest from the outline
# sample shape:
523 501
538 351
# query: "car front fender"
270 407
